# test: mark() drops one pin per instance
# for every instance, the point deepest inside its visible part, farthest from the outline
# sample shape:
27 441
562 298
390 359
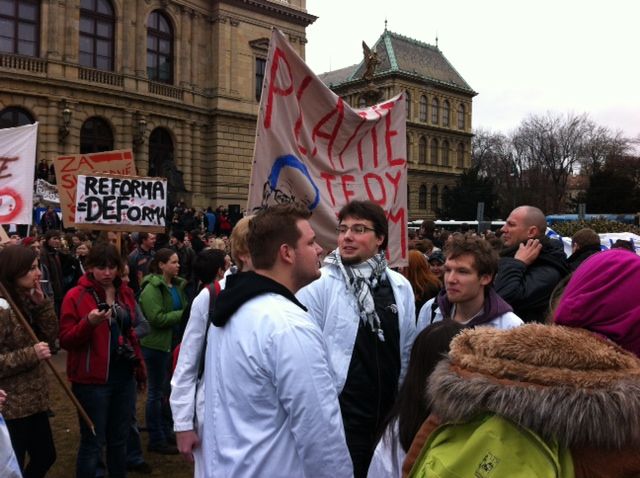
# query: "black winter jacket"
527 289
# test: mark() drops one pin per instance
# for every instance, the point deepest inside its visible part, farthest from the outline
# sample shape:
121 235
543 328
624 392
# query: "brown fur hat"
563 383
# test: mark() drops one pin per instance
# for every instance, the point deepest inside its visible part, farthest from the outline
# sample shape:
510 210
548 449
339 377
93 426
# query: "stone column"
196 158
184 57
195 46
233 55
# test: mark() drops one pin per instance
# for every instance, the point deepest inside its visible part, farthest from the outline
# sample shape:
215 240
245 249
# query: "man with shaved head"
531 265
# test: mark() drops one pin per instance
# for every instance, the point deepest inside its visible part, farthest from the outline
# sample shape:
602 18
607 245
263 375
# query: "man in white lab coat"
271 405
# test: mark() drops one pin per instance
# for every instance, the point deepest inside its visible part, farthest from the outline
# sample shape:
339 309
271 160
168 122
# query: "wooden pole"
34 337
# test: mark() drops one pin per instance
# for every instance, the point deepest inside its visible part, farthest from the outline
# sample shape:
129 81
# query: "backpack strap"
214 290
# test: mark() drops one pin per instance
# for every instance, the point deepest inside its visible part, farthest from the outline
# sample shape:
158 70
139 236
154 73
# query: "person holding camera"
104 360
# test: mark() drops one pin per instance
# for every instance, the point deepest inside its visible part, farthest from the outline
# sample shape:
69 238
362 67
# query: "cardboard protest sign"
17 167
68 167
121 203
312 147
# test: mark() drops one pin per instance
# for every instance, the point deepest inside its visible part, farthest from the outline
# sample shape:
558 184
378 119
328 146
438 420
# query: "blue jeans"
158 382
109 407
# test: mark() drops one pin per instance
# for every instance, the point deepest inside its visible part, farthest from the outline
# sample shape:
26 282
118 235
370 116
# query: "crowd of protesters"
263 355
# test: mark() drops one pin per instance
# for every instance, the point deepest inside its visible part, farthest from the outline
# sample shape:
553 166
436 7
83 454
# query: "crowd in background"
121 304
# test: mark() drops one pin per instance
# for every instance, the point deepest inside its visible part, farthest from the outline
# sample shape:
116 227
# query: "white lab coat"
388 456
272 408
335 310
187 392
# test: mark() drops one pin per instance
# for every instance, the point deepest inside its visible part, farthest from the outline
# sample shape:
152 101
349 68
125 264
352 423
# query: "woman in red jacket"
103 358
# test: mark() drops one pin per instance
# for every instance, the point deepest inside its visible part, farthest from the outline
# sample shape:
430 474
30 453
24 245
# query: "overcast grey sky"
521 57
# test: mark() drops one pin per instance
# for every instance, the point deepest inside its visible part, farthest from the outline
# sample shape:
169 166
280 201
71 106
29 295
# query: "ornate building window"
408 148
445 153
434 198
159 48
95 136
422 150
97 22
435 110
460 155
408 197
408 99
423 109
261 65
446 110
161 153
15 116
20 27
362 102
434 151
422 197
461 113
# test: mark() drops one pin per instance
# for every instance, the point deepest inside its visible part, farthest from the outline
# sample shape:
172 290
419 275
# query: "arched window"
446 109
97 22
20 27
423 109
408 148
460 155
161 152
434 198
15 116
95 136
435 110
159 48
461 113
445 153
422 150
408 99
422 197
434 151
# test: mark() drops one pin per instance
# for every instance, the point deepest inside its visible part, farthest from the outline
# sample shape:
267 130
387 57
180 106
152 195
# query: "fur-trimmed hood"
563 383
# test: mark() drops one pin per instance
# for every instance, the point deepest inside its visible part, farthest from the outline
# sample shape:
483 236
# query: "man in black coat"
584 244
531 265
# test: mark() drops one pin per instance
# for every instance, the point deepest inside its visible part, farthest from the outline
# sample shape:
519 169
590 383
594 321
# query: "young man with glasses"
366 313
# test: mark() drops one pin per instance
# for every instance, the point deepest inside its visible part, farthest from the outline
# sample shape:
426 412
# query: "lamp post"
140 125
64 129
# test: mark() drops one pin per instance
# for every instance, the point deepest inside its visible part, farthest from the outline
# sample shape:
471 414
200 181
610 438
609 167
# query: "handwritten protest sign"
120 203
17 167
69 167
312 147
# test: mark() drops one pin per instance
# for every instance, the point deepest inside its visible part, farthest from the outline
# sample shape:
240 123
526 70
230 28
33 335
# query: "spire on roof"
385 24
436 40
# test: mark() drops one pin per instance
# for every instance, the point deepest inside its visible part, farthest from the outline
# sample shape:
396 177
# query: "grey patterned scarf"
361 279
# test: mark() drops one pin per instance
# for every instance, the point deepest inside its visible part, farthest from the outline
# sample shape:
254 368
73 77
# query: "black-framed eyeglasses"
357 229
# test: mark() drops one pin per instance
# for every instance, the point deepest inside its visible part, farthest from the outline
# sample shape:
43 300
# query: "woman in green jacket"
162 301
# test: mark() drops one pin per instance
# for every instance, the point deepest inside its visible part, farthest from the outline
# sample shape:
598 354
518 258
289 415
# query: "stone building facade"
439 111
176 80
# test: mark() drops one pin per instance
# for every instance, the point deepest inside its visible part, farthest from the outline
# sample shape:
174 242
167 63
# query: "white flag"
17 167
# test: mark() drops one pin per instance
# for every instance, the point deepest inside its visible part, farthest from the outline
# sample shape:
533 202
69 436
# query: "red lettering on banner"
84 160
303 86
348 193
67 166
278 55
399 218
372 176
390 133
395 180
328 178
331 136
355 133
